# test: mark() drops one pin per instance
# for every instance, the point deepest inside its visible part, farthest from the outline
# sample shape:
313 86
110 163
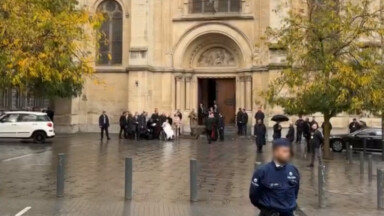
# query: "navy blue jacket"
275 188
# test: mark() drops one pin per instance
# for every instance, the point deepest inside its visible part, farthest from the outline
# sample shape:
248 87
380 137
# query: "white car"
26 125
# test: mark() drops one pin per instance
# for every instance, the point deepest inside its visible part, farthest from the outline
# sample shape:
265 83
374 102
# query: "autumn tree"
333 59
44 46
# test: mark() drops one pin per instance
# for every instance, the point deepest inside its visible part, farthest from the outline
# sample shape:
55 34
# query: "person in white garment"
168 130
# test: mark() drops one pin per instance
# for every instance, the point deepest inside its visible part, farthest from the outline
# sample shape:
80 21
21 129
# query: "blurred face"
314 126
282 154
104 112
259 121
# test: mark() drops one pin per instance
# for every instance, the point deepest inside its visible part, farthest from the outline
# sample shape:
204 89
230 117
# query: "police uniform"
274 189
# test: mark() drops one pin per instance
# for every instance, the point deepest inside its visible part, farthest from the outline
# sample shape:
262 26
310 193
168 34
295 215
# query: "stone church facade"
175 54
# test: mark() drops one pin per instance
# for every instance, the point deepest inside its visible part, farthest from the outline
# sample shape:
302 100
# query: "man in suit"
239 121
104 125
245 122
123 123
221 125
259 115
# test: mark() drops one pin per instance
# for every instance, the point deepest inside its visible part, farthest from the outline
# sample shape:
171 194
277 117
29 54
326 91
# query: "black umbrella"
280 118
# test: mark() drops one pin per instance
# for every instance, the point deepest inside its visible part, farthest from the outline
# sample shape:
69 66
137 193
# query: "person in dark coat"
156 119
123 124
239 121
221 126
307 133
131 126
259 115
50 113
216 128
317 141
275 186
276 131
314 122
104 125
136 121
142 124
245 122
210 127
260 131
354 126
299 129
291 133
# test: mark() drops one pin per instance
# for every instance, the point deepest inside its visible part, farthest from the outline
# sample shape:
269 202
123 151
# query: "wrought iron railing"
214 6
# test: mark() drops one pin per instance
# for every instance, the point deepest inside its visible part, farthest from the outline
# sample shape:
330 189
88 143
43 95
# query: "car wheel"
337 146
39 137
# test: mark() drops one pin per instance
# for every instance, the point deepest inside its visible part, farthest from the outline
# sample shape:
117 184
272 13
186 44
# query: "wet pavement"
94 183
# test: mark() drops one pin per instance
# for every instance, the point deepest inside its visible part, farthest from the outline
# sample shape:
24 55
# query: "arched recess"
218 39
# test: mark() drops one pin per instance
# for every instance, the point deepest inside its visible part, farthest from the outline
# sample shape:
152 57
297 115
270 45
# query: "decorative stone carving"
216 57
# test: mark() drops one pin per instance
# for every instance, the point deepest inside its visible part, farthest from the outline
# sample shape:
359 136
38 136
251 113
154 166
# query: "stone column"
240 103
179 91
188 96
248 93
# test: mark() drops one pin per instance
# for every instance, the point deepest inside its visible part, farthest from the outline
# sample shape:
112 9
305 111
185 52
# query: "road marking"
23 211
18 157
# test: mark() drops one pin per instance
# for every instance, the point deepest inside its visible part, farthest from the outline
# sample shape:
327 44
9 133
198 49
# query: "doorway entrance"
221 90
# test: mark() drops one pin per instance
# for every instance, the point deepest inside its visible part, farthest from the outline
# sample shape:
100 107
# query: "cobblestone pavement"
95 179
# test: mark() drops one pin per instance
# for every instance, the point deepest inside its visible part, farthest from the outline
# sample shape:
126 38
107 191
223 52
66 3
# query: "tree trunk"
327 132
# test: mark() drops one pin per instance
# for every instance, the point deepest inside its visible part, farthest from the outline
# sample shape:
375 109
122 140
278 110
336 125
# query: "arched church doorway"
223 92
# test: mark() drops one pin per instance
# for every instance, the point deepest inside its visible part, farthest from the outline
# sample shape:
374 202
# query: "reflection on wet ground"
94 183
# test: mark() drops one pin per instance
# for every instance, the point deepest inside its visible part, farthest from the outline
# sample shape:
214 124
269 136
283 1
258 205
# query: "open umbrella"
280 118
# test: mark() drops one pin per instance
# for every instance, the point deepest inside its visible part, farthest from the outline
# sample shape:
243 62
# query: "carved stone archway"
213 51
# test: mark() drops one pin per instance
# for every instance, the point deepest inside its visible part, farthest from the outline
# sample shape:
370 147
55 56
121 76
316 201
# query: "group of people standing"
214 124
242 122
135 126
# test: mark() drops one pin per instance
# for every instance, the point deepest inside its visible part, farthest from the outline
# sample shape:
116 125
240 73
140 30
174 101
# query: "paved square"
94 183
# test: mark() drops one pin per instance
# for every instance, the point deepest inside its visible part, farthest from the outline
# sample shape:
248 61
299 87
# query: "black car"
373 136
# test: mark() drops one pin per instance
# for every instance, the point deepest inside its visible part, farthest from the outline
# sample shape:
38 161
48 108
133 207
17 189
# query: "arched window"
215 6
111 42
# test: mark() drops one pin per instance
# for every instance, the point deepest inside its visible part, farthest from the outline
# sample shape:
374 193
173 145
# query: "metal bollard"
321 180
370 167
361 163
60 175
257 165
128 178
193 180
350 152
380 188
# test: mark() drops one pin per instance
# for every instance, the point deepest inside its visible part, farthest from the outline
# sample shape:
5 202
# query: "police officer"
275 185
